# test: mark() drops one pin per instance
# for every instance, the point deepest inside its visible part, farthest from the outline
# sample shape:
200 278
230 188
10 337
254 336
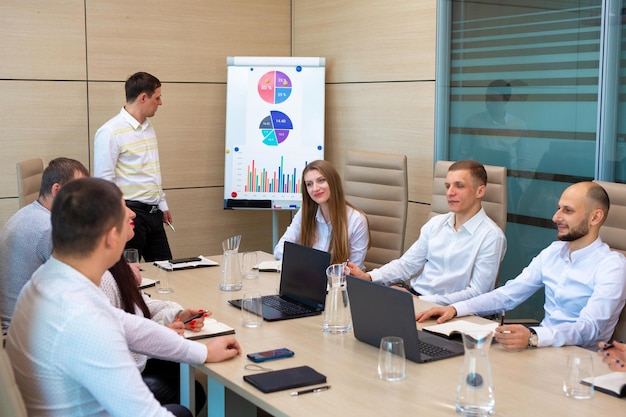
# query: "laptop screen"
303 274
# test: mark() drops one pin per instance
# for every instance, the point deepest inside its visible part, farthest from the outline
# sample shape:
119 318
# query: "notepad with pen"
186 263
285 379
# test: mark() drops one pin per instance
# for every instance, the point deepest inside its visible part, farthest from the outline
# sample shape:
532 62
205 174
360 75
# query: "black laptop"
379 311
302 290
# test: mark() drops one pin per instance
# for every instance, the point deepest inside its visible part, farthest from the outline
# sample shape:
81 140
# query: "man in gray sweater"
26 240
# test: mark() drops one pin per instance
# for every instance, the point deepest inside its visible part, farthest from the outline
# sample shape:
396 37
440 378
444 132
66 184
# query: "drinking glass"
579 368
391 359
165 284
251 310
249 262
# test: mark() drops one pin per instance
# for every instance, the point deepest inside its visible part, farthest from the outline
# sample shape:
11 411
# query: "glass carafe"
474 394
230 276
337 317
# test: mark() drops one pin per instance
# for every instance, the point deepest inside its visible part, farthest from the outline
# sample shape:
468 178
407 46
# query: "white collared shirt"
450 265
70 349
358 234
584 294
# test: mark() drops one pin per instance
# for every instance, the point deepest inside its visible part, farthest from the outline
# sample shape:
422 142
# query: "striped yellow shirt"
126 152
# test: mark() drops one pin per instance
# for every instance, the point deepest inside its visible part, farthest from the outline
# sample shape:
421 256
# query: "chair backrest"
620 328
613 233
29 180
11 402
376 183
494 201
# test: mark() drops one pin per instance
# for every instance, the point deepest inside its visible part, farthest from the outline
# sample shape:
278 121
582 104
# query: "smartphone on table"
269 355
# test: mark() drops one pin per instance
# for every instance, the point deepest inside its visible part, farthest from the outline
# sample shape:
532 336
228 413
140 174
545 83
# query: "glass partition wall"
536 86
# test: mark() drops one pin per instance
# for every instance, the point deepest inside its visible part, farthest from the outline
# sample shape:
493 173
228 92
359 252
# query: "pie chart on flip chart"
274 87
275 128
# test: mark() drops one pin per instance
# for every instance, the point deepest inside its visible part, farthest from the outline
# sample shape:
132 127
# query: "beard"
575 233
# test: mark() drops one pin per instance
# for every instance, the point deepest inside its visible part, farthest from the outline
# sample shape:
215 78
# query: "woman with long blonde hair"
326 220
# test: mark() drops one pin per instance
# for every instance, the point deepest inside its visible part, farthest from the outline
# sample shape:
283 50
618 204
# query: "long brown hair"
339 246
129 293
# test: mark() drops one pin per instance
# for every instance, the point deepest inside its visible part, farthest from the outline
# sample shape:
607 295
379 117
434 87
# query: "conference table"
526 383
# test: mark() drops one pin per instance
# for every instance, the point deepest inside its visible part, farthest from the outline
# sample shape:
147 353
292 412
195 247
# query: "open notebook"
212 328
186 263
457 327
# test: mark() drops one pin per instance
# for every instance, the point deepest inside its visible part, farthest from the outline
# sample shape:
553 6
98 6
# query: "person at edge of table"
126 153
326 220
457 255
68 346
120 284
584 281
25 240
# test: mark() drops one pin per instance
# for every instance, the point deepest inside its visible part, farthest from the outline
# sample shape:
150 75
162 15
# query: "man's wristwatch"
533 339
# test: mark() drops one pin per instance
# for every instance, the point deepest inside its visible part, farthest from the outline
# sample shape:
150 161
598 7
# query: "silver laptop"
379 311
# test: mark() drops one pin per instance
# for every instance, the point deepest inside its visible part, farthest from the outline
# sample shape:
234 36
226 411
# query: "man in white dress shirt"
458 254
69 347
126 152
584 281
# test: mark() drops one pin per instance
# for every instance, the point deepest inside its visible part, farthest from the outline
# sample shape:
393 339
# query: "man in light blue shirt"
584 281
458 254
26 240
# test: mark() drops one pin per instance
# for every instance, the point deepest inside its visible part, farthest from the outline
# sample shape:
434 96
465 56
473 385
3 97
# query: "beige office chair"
376 183
29 180
494 201
11 402
613 233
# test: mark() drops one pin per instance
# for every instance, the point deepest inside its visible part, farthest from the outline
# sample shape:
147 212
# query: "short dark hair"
476 169
140 82
60 171
82 212
597 194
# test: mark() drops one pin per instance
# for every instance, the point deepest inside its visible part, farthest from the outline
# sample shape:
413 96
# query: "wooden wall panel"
384 117
380 91
186 41
35 124
190 128
201 223
8 207
41 39
368 40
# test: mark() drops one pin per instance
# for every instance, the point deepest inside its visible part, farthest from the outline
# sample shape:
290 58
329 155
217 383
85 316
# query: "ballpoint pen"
195 316
171 227
502 324
309 391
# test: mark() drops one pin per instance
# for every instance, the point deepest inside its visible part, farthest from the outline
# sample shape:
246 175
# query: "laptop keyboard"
284 306
433 350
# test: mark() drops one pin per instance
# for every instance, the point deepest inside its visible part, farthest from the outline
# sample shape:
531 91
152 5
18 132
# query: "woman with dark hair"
326 220
120 284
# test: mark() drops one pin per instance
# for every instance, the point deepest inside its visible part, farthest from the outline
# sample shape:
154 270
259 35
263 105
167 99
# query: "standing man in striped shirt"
126 153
